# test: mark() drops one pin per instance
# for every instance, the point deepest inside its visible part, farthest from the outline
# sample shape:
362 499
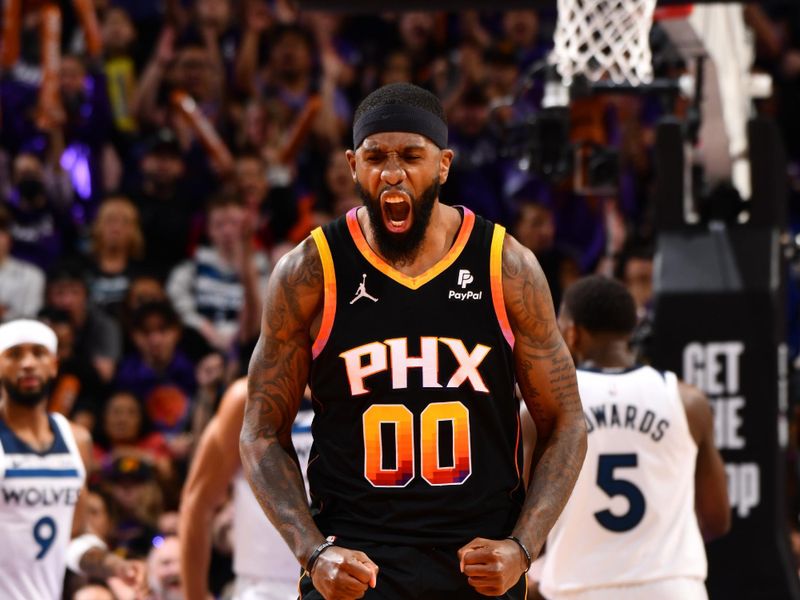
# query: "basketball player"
43 464
653 484
264 567
415 466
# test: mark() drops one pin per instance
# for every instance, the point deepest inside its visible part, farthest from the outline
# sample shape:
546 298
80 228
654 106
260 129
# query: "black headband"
400 117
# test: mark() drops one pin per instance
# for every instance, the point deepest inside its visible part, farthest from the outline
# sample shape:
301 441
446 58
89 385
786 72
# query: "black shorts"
415 573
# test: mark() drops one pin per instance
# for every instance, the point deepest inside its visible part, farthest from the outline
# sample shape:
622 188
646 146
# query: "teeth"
396 223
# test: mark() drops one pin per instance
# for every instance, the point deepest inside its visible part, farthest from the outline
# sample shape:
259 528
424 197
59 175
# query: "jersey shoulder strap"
65 429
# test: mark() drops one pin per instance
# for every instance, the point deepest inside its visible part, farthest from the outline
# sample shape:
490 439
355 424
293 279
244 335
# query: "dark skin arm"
214 466
277 377
546 377
99 563
710 482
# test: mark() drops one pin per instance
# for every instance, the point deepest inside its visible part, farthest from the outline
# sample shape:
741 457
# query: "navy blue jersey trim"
13 445
612 371
41 473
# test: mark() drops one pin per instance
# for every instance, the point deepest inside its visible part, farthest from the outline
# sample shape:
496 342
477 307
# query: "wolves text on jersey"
40 496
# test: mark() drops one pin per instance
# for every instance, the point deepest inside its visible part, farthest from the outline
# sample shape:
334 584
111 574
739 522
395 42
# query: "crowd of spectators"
147 245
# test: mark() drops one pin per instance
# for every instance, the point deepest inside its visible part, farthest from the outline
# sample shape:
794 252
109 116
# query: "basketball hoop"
604 39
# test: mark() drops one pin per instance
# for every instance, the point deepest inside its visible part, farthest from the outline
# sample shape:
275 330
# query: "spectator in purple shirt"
41 229
158 372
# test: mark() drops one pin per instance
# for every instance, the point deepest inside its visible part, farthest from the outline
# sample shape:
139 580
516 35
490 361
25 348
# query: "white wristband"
78 547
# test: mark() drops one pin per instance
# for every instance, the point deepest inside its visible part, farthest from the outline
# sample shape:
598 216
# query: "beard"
28 399
401 248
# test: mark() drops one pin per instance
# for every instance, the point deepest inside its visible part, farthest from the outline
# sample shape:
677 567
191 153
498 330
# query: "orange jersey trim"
417 282
329 306
496 279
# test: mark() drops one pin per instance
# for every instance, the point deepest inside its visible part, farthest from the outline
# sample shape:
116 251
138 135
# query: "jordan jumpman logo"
361 292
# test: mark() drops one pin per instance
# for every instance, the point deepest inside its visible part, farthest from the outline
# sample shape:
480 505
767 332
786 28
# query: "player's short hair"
406 94
400 107
601 304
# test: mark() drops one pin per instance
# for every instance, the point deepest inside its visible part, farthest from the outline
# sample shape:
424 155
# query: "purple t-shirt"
167 397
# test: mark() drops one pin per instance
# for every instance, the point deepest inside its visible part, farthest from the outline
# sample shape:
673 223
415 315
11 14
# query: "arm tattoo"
530 304
277 377
548 383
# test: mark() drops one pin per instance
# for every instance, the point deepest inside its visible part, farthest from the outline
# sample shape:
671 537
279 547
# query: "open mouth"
396 209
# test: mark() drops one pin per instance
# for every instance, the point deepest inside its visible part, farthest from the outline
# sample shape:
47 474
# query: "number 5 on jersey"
389 447
617 486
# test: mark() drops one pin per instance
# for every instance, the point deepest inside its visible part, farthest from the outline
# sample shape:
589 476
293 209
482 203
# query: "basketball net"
604 39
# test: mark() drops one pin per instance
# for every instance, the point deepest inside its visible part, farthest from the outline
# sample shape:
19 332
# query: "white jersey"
37 504
630 519
259 552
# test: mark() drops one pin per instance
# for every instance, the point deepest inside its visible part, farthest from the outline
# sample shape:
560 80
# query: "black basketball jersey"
416 428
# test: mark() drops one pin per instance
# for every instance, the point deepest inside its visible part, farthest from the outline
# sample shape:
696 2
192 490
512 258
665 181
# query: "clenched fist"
492 567
342 574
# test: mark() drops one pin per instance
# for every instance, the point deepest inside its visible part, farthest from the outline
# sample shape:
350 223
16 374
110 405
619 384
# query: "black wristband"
528 558
319 550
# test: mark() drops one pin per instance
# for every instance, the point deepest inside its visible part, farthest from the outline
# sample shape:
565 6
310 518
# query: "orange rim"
680 11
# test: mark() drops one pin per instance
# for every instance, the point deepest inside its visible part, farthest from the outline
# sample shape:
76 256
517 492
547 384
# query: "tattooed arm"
546 377
278 375
549 387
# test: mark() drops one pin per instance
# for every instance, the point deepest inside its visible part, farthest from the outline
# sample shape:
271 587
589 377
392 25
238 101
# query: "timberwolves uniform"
416 432
265 568
39 493
629 529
